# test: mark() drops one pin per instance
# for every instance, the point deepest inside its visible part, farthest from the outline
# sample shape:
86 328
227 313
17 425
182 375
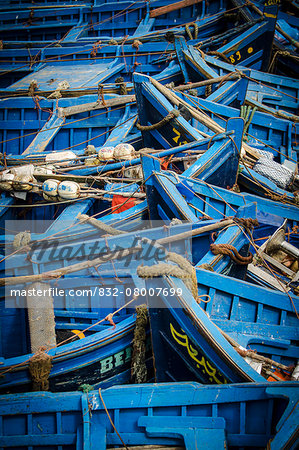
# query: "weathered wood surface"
172 7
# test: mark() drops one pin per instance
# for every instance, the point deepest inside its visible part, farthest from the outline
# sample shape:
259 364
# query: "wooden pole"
57 273
197 232
185 87
173 7
201 117
71 110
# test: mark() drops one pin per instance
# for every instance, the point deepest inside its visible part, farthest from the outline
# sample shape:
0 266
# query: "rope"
172 115
136 44
248 224
110 420
138 366
232 252
40 365
94 50
62 86
247 115
220 54
188 31
32 88
119 81
100 225
208 90
183 270
206 266
21 239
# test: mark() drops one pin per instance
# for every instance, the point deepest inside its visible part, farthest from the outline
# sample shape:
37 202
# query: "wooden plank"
173 7
45 135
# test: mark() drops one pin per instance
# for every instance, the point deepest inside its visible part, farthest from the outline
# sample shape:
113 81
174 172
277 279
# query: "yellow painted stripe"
78 333
270 15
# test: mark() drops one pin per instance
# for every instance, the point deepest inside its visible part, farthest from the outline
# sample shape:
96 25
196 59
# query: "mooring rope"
171 115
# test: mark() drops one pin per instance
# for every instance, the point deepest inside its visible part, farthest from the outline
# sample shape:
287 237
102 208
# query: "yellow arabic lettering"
182 339
178 135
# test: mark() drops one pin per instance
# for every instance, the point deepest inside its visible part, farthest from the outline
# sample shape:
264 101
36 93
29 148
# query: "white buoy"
50 190
106 153
124 152
68 190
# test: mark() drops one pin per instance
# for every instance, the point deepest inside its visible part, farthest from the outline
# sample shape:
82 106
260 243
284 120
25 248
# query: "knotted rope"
94 50
62 86
248 224
138 366
32 88
232 252
21 239
136 44
183 270
40 365
208 90
99 224
119 81
172 115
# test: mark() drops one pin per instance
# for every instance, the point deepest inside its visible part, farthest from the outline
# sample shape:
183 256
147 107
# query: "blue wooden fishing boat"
32 125
265 91
154 106
181 336
74 362
95 64
262 130
188 199
135 54
188 414
252 316
103 20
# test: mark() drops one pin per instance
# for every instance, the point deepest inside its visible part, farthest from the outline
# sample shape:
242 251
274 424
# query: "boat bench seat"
196 431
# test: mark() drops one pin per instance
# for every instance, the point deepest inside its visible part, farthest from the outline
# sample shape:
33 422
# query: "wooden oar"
57 273
172 7
197 232
185 87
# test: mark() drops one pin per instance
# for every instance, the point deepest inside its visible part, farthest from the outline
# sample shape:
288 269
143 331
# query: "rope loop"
172 115
232 252
188 31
